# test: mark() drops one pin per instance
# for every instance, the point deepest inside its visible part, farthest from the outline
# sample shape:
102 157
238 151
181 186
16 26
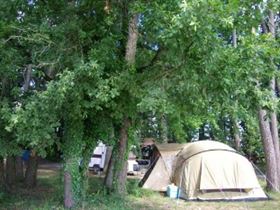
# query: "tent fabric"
158 175
159 178
205 170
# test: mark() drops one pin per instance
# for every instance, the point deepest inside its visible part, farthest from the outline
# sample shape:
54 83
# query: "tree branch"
152 62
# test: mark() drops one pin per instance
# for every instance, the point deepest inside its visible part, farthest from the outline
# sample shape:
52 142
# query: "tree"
269 128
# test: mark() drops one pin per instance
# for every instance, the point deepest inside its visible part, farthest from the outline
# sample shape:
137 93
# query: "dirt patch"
48 165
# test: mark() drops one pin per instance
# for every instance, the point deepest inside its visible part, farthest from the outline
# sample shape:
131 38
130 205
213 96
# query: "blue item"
173 191
25 155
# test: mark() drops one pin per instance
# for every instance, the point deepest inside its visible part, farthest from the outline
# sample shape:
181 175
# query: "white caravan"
98 158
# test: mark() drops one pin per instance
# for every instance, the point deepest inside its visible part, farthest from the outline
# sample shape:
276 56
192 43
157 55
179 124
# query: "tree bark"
201 132
30 180
269 149
234 38
10 171
19 168
27 77
270 131
274 131
72 152
2 173
235 127
120 163
19 162
68 194
116 181
131 41
271 23
108 181
236 133
164 129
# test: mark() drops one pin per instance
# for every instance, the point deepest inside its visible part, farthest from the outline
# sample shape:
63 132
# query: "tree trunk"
2 173
271 139
271 23
107 159
10 171
236 133
164 129
275 138
131 41
27 77
117 171
120 162
234 38
72 152
270 157
273 115
19 169
30 180
108 181
19 162
201 132
274 127
68 194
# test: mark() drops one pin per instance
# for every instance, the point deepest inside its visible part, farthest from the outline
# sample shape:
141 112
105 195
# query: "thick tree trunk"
2 173
271 23
72 182
275 138
68 194
274 130
270 157
108 181
72 152
10 171
120 163
131 41
107 159
19 168
30 180
273 115
117 171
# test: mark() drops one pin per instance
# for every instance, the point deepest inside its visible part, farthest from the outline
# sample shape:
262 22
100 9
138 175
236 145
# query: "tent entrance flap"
158 178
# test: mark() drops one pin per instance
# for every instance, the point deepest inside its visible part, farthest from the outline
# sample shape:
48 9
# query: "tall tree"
116 178
269 128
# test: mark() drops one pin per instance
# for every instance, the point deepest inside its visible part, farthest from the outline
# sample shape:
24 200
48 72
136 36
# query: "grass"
49 195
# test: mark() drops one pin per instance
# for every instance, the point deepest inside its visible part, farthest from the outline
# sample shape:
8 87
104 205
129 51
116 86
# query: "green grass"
49 195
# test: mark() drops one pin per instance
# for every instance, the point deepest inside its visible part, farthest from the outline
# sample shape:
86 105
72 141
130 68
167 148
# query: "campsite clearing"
47 195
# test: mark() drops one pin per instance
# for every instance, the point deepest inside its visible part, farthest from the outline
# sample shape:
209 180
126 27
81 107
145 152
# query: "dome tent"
207 170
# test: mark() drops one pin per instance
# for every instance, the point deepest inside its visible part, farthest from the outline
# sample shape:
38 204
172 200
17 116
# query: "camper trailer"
98 158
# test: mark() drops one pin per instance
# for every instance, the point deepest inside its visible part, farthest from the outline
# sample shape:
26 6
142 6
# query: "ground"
49 195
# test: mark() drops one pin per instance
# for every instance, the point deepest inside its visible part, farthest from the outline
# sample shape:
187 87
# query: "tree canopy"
76 72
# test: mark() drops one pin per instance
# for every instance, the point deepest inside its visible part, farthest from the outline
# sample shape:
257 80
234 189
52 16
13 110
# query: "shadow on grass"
49 195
